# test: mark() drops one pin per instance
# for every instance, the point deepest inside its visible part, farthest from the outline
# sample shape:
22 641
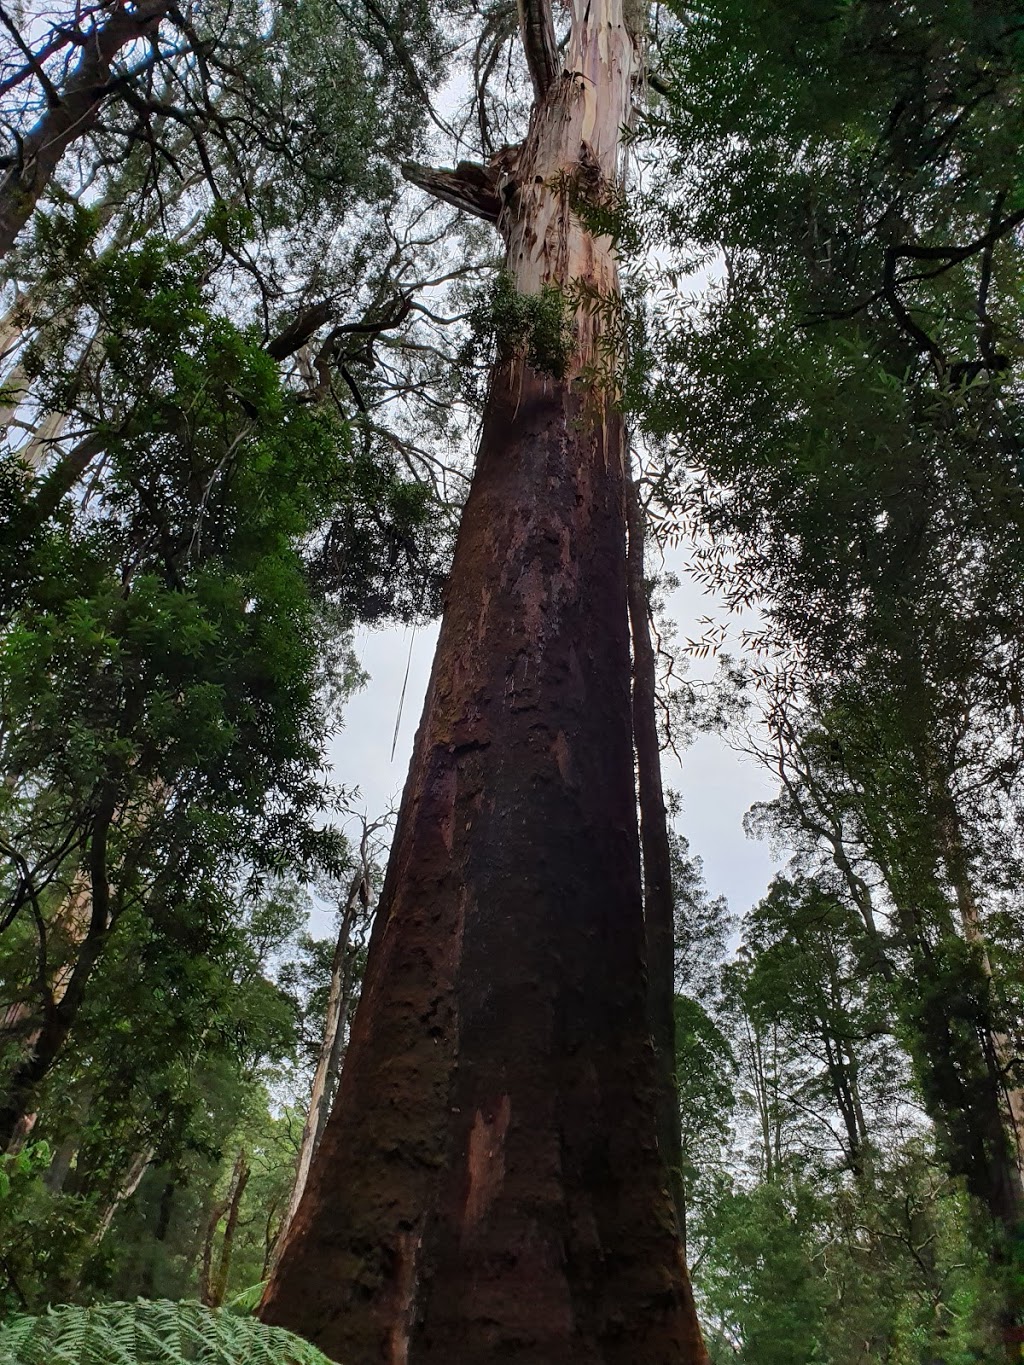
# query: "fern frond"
247 1300
150 1332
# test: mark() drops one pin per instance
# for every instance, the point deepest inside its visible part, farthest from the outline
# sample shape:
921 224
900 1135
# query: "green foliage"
705 1083
248 1300
538 327
180 572
822 1228
18 1168
603 209
762 1289
840 417
32 1238
803 1276
149 1332
173 656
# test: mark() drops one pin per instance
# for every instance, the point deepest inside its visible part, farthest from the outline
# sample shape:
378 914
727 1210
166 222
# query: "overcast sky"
716 784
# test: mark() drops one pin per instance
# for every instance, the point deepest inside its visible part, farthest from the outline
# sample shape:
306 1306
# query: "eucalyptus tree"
489 1184
279 107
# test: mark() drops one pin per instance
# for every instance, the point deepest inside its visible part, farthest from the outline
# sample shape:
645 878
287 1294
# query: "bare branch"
471 187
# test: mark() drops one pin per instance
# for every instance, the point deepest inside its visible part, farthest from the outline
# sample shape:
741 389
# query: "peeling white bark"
573 152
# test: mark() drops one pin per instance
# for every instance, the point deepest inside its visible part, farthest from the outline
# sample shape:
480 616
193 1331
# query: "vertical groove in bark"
659 903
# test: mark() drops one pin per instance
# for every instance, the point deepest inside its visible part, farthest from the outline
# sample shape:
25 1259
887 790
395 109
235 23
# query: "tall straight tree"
490 1185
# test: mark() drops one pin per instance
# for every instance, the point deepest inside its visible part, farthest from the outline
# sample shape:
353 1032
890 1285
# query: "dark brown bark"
538 32
659 903
489 1186
469 186
72 113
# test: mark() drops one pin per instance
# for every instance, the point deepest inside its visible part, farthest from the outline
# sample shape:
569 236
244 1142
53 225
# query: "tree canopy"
250 336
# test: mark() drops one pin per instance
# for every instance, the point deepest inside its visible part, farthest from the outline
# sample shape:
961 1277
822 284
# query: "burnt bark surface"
489 1186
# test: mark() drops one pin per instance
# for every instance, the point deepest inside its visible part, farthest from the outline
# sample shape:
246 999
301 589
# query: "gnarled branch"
469 186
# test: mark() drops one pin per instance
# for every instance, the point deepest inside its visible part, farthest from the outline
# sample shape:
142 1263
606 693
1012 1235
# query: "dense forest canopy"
290 292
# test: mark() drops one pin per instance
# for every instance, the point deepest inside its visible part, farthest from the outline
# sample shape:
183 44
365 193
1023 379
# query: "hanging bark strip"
490 1185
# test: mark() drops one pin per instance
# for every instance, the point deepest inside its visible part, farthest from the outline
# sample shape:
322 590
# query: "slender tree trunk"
43 439
72 114
659 902
59 1169
1000 1045
14 386
489 1187
12 326
239 1181
325 1078
133 1179
149 1285
213 1284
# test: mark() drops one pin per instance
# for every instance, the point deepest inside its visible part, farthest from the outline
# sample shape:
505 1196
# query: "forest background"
243 358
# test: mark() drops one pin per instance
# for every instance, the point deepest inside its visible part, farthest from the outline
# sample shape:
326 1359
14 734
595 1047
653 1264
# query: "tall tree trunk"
72 114
659 902
489 1186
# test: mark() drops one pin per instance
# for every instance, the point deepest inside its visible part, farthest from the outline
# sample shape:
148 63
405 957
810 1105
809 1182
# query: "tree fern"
247 1300
150 1332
